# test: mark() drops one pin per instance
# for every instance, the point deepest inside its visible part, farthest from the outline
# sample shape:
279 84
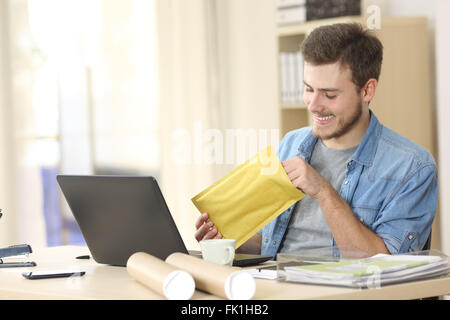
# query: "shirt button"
361 220
274 242
350 163
346 182
410 237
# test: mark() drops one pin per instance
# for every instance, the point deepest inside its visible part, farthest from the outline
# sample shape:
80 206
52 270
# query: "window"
94 96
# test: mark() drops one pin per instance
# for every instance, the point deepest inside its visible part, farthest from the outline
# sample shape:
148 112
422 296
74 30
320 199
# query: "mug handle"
230 257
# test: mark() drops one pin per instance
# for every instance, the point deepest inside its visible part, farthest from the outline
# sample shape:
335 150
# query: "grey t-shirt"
308 227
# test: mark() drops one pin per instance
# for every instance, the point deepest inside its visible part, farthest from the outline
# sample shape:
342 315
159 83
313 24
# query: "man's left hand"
305 177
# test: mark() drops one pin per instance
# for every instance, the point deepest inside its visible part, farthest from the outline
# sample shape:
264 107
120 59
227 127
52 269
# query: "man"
366 186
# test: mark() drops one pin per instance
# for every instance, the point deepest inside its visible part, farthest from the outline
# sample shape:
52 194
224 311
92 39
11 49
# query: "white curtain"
217 73
184 102
20 183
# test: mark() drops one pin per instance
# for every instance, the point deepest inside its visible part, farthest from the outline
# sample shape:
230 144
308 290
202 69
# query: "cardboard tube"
220 280
164 279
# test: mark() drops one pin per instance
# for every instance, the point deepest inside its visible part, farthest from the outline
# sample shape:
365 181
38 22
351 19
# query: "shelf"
307 27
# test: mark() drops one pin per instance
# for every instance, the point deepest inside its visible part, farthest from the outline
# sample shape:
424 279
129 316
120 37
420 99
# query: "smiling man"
366 186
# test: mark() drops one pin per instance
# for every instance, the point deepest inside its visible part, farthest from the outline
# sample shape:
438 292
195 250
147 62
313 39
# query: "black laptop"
121 215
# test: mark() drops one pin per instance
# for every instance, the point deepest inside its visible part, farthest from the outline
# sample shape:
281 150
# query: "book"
290 3
300 11
291 77
291 15
322 9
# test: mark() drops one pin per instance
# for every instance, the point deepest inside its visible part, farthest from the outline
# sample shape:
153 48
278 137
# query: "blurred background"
120 86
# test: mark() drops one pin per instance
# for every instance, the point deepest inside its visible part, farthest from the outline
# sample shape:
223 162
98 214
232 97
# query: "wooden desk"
108 282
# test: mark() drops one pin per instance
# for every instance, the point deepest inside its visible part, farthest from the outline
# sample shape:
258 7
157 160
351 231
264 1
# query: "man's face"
333 100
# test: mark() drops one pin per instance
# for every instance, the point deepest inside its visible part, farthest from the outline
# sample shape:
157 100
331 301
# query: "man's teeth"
325 118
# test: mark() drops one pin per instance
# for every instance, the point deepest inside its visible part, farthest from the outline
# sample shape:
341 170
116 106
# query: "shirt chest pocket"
366 216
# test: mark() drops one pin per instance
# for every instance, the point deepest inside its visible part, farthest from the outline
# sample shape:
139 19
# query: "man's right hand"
206 229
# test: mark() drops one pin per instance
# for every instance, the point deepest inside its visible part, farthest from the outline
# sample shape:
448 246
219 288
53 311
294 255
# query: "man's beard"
343 126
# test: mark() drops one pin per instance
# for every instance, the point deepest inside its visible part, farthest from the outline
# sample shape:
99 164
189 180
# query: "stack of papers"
371 272
263 274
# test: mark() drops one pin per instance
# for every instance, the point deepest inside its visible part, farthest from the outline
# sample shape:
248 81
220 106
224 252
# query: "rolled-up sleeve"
405 222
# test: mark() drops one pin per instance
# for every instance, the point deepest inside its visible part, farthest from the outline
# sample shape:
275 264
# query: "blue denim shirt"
390 184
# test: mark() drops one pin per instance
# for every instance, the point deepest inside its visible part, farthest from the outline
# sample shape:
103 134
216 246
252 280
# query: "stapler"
16 250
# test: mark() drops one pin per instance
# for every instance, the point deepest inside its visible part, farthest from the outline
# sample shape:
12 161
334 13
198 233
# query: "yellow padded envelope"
249 197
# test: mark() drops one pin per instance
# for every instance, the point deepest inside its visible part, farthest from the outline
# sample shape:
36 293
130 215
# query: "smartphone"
52 274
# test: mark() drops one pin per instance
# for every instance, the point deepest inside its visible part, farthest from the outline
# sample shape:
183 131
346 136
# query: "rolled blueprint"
220 280
166 280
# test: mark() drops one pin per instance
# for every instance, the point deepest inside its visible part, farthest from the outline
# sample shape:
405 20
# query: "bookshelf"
403 98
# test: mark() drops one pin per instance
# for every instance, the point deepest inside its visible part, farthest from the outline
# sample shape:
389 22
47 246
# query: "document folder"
249 197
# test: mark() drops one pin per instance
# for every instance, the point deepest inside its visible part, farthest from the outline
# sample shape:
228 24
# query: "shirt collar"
307 146
365 152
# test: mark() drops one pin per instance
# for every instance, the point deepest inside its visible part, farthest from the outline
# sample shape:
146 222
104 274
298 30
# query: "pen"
83 257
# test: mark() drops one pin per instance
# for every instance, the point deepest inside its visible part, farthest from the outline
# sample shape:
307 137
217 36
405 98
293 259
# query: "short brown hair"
348 43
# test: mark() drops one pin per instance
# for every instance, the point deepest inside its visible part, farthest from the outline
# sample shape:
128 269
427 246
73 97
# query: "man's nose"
314 103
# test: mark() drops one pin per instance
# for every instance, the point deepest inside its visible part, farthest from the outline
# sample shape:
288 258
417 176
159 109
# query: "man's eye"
308 89
330 97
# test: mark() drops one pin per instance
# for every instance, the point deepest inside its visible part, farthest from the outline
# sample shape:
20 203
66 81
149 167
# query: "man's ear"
368 91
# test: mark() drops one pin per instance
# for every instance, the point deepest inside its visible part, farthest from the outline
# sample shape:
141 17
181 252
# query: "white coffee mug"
220 251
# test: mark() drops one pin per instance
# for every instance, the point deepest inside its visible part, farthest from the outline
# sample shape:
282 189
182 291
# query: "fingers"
210 233
292 172
292 164
201 220
286 166
206 229
296 168
293 175
297 183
